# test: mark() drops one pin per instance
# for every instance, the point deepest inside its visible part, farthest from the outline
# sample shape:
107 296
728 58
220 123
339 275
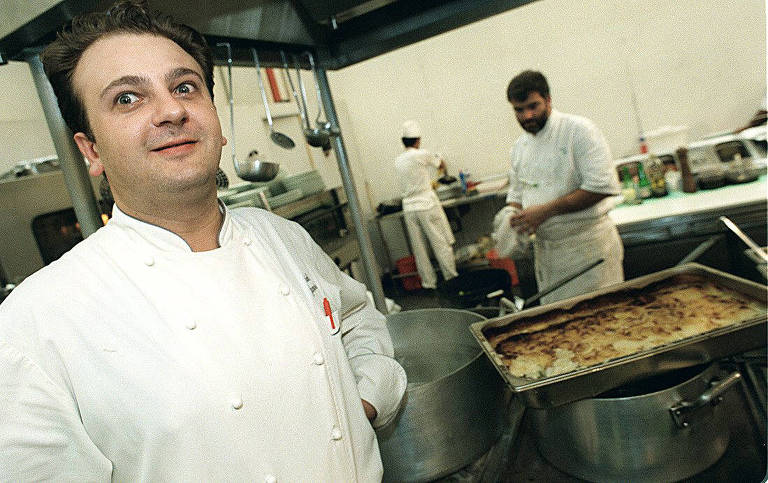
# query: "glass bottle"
628 190
643 185
656 175
689 182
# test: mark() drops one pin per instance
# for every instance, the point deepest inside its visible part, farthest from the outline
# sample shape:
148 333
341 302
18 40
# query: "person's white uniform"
569 153
145 361
423 212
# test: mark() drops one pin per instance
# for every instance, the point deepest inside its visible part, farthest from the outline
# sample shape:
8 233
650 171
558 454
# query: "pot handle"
684 412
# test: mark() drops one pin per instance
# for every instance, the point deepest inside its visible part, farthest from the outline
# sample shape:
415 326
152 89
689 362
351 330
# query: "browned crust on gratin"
618 324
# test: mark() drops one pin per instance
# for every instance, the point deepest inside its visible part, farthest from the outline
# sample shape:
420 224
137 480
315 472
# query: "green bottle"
628 190
643 185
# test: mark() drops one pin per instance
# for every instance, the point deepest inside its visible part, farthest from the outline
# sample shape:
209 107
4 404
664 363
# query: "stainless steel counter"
657 233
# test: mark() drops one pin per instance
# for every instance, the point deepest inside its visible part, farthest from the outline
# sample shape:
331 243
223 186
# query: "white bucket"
666 139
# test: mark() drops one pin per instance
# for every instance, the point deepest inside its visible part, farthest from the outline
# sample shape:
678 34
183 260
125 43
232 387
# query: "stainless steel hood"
341 32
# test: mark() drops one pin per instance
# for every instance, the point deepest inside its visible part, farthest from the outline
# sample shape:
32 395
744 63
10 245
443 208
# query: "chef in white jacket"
183 341
422 210
561 181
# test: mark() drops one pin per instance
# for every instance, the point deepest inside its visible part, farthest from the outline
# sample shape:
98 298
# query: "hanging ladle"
287 69
253 169
323 126
316 137
277 137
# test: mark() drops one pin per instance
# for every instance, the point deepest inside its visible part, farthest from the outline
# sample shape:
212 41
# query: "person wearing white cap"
421 208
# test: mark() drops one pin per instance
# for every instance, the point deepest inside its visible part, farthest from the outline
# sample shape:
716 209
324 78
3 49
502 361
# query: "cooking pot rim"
421 386
703 368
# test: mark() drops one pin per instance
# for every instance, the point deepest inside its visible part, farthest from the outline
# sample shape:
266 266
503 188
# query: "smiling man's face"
155 128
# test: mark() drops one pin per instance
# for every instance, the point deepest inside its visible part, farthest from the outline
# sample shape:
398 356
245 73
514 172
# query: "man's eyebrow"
127 80
180 72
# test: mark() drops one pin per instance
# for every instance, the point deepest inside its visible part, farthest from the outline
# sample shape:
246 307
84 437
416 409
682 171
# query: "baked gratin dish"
618 324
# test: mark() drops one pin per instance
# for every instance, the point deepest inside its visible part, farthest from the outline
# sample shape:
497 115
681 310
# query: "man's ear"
91 153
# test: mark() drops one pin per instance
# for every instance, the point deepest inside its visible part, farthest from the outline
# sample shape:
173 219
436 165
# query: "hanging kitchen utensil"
277 137
295 93
315 137
323 127
252 169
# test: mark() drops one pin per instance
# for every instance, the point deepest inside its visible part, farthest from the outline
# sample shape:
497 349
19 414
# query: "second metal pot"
666 428
454 404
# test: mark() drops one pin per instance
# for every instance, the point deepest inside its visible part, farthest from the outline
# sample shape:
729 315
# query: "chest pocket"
545 166
327 300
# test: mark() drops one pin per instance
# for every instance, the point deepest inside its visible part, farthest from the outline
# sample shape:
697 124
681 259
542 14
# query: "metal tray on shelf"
590 381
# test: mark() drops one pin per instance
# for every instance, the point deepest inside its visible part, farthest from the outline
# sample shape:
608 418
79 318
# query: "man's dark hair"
409 142
61 57
524 83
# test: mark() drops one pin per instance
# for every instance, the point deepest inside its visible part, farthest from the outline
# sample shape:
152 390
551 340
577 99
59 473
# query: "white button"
336 434
149 260
270 479
191 325
318 359
237 402
247 242
285 289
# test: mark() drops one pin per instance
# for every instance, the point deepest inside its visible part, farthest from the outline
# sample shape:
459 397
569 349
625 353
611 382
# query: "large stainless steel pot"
663 429
454 404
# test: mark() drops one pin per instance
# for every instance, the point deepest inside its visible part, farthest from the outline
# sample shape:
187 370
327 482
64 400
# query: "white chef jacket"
569 153
413 171
134 358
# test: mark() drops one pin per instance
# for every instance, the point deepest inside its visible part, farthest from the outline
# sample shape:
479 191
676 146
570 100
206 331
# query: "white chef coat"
413 171
134 358
569 153
424 215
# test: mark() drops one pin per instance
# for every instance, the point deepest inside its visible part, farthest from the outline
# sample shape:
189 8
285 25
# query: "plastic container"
494 261
408 265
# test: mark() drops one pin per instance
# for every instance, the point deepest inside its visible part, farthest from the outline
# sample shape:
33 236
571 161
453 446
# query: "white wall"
696 63
23 131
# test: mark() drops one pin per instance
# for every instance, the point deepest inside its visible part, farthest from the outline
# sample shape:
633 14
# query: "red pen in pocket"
329 315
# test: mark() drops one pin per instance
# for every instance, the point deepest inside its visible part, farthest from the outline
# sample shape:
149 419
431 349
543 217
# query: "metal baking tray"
588 382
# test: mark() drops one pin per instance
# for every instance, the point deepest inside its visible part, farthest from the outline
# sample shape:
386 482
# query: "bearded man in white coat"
183 341
561 180
424 215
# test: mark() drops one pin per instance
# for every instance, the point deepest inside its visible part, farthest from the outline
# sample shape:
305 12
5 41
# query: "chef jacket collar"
162 238
554 117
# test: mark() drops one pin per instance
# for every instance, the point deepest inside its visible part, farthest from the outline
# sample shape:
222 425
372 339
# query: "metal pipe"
71 160
366 249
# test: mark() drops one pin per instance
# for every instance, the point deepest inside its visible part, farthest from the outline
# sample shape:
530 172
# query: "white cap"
411 129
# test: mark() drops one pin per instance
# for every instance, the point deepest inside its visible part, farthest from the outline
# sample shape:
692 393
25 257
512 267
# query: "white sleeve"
513 194
380 379
592 157
430 159
41 435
